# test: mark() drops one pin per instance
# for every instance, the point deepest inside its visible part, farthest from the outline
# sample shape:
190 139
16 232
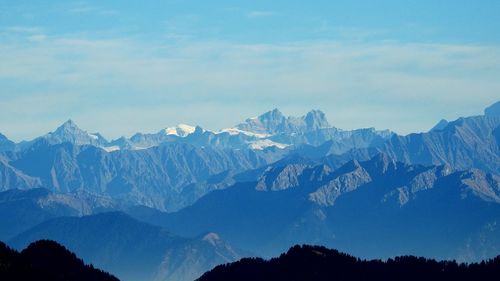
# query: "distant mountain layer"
46 260
371 208
131 249
23 209
319 263
154 177
271 129
472 142
176 174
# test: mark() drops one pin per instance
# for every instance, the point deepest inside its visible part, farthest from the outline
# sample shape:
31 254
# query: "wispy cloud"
180 28
84 8
406 87
37 37
260 14
22 29
29 33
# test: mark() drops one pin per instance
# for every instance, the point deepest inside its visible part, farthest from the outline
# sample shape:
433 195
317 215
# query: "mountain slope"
131 249
12 178
493 110
46 260
440 125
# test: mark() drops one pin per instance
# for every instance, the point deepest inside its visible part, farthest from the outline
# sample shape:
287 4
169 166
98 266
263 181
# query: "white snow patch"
236 131
142 147
181 130
111 148
261 144
93 136
211 238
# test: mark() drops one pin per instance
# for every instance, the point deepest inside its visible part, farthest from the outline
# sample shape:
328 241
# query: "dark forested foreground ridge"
320 263
46 260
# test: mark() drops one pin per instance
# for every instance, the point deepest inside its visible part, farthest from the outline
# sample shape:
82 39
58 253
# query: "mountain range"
176 159
366 208
176 170
155 206
271 129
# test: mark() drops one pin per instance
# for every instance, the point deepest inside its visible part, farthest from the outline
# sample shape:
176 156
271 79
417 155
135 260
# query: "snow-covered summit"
181 130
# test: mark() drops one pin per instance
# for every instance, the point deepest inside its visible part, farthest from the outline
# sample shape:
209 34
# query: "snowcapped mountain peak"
70 132
181 130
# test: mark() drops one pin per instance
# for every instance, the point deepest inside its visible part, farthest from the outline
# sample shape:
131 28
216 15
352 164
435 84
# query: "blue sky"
119 68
